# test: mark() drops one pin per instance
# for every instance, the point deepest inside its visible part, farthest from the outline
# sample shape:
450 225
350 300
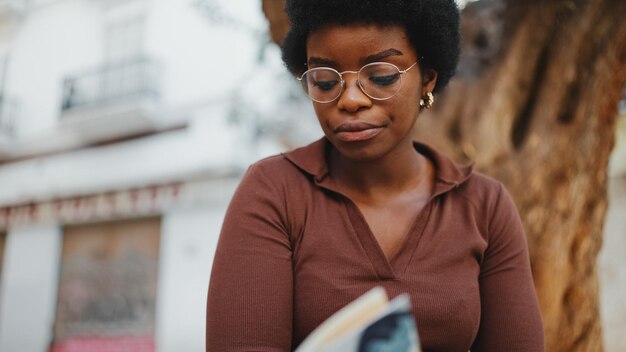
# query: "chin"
360 151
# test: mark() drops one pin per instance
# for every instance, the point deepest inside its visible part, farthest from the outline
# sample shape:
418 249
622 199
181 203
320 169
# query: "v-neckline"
312 160
388 268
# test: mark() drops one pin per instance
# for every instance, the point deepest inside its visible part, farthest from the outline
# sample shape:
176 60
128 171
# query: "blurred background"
125 126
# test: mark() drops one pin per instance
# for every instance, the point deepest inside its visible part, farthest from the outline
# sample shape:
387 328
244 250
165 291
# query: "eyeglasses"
377 80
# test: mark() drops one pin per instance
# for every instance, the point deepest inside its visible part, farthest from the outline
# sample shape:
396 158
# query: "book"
371 323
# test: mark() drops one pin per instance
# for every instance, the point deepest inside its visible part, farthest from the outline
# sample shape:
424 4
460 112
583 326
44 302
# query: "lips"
355 131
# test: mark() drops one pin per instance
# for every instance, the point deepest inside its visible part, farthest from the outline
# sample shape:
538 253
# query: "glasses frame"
359 84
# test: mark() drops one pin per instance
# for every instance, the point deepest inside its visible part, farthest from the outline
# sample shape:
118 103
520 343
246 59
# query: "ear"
429 80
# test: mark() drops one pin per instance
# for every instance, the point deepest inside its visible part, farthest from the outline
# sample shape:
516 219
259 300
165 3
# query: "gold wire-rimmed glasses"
377 80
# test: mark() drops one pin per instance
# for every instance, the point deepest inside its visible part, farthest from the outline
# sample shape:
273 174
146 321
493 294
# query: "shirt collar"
311 159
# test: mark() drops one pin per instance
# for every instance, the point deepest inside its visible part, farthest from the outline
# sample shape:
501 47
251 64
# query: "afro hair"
432 27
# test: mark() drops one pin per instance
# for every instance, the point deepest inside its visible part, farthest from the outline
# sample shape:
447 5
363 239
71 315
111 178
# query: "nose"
352 98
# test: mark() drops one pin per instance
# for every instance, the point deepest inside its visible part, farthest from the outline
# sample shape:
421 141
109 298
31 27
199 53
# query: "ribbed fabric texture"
293 250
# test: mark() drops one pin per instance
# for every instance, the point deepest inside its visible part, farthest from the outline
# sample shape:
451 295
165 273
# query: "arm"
510 316
250 296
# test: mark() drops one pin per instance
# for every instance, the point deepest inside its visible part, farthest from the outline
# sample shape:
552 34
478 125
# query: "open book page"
361 327
392 330
358 313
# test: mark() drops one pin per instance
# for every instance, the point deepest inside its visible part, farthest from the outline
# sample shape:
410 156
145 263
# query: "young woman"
310 230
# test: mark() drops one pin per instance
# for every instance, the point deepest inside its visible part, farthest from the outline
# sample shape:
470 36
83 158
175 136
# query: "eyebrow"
383 54
320 61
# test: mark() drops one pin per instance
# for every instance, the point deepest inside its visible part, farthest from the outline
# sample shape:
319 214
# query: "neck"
392 174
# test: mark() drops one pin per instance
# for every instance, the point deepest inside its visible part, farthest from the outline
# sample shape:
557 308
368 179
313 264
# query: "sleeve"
510 316
250 299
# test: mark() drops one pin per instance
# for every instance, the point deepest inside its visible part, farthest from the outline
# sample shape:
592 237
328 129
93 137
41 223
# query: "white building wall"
52 40
29 288
205 147
205 63
188 241
202 66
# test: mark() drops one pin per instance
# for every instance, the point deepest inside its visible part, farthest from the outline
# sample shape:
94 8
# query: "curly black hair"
432 27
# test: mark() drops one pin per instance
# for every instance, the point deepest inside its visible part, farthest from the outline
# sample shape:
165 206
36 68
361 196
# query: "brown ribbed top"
293 250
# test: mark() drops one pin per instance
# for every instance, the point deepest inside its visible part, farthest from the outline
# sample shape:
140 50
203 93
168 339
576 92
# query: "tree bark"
534 104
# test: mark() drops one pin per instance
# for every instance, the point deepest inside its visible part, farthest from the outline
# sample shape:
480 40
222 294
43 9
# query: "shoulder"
272 165
491 204
298 165
483 184
481 190
497 208
309 159
275 186
277 176
270 173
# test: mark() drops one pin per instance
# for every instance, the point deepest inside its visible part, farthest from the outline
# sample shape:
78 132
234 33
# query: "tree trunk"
534 105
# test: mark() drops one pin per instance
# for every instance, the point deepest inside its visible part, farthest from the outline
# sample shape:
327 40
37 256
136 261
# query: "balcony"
8 108
112 101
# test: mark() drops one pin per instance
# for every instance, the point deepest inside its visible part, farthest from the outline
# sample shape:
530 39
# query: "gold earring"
427 101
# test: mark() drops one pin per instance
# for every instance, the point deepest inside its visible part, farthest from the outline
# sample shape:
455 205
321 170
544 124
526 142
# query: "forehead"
346 43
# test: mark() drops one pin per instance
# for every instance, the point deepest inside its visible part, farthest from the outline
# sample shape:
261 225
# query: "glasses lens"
322 84
380 80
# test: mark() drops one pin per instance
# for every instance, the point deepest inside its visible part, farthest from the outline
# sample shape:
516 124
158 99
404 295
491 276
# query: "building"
120 148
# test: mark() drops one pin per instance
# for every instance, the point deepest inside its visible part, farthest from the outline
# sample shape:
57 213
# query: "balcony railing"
111 84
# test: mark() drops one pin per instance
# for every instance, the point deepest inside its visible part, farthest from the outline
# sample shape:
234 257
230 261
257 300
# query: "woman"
310 230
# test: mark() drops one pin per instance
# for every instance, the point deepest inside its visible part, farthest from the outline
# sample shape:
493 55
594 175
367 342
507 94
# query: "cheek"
413 96
406 106
414 91
404 117
322 113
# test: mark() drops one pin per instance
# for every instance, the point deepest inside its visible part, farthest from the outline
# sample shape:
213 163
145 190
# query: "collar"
311 159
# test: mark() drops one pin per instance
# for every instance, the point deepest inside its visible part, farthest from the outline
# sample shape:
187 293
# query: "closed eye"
385 80
325 85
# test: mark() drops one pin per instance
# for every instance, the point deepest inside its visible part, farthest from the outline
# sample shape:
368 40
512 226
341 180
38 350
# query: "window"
107 287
